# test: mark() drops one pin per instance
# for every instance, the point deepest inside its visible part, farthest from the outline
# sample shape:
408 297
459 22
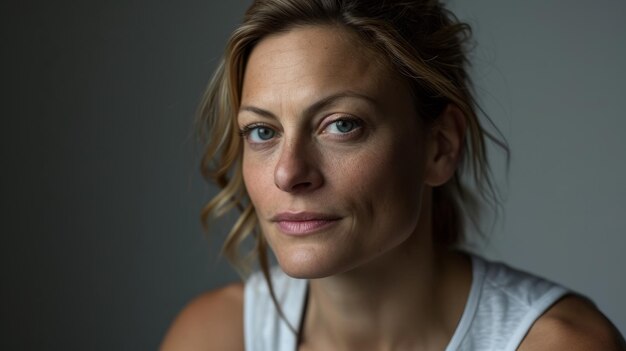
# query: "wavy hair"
420 39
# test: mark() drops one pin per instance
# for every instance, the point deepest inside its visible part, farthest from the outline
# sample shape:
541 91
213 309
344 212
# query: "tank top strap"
471 305
264 328
502 306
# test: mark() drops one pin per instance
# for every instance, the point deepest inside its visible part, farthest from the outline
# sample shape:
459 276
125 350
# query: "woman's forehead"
313 59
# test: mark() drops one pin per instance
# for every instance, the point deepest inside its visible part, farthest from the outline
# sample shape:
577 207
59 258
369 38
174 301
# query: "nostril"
297 169
304 179
292 186
301 186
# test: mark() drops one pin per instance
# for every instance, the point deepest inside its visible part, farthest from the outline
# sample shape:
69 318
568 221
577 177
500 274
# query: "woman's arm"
212 321
573 324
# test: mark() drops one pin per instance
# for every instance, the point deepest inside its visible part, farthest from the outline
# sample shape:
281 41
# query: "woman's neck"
411 297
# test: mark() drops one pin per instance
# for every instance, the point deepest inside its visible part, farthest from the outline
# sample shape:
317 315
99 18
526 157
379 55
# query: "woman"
344 131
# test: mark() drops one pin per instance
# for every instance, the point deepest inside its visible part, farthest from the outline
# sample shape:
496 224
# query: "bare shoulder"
574 324
211 321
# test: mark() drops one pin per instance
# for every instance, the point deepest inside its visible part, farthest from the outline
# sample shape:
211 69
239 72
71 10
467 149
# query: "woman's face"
333 151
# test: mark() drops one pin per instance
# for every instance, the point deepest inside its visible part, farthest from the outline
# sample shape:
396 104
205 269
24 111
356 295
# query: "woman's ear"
446 141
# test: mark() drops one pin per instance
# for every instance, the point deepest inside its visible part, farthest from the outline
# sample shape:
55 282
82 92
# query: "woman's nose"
297 169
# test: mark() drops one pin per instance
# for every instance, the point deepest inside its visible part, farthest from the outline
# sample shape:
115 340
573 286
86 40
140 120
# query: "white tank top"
502 305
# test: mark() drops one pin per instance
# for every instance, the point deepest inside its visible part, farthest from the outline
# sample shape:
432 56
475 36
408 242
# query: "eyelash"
245 131
358 124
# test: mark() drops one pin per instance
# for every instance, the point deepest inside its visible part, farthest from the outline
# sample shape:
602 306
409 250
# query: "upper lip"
303 216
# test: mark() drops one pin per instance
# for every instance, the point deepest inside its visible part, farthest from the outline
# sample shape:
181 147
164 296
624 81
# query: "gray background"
101 243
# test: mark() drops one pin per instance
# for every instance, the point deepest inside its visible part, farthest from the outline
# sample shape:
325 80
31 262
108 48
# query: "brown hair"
421 39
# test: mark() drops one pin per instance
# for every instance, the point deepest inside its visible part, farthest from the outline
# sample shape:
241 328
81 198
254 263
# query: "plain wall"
551 75
101 241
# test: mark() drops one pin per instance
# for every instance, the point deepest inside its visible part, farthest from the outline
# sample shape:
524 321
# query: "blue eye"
258 134
342 126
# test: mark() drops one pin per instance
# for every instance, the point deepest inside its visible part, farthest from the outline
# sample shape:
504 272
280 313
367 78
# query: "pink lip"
302 223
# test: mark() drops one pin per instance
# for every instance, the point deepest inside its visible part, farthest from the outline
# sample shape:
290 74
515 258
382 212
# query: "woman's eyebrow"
259 111
331 99
316 106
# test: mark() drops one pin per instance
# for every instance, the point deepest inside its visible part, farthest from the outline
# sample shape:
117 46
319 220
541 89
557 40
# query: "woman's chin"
306 265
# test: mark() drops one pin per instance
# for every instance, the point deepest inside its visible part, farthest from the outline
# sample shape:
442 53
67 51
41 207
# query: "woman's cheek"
254 180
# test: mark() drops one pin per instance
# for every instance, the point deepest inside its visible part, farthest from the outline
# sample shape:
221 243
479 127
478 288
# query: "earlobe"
446 143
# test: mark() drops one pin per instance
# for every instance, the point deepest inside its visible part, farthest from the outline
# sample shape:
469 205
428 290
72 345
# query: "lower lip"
305 227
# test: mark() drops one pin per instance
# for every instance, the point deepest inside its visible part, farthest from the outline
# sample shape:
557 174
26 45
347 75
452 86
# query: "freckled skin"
373 180
385 285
